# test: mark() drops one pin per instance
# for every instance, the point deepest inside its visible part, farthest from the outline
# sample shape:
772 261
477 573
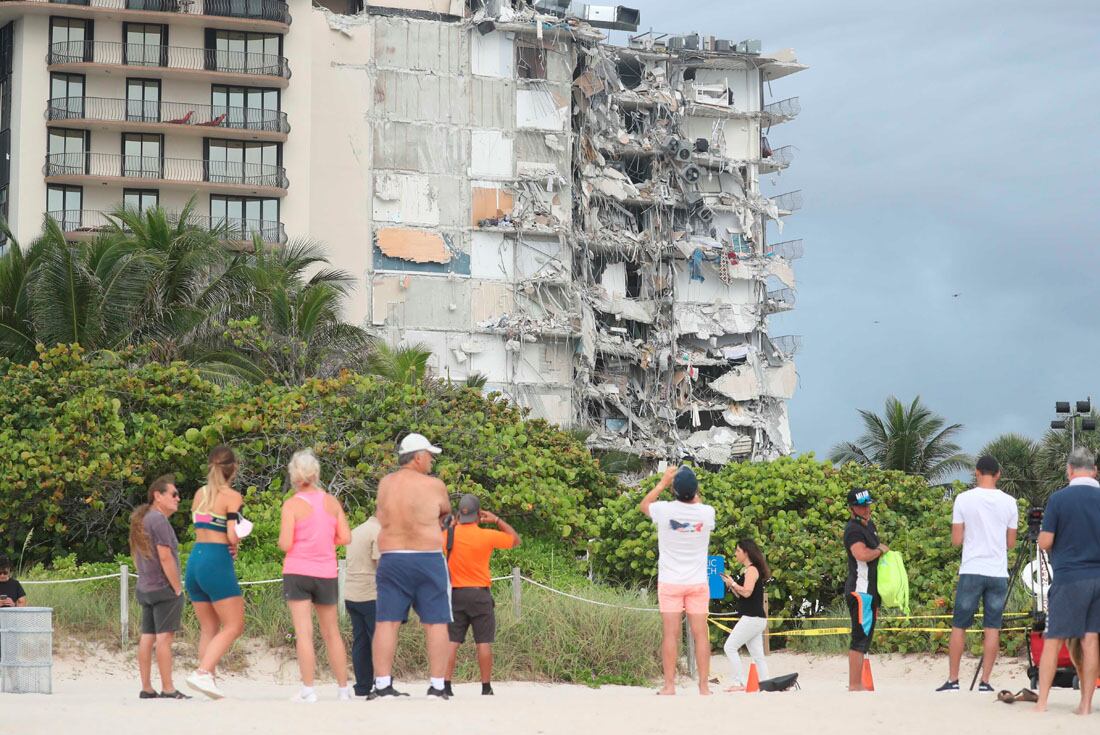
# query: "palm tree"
407 365
290 328
910 439
17 335
1019 459
477 381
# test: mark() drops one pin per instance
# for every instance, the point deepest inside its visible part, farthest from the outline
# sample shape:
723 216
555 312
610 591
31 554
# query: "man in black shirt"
861 587
11 592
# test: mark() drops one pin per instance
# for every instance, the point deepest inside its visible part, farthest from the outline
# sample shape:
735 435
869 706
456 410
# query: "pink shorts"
694 599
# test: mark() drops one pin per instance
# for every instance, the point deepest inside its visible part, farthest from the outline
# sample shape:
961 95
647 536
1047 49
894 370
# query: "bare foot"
735 689
704 691
667 691
1083 710
1039 707
857 688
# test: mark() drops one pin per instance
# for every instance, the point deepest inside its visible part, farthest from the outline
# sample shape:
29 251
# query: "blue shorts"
210 574
1074 608
413 578
992 592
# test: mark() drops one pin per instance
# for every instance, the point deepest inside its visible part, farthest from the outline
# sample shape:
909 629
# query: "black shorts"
319 590
473 607
864 615
160 611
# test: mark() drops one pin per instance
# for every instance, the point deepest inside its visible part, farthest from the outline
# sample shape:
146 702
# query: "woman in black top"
750 629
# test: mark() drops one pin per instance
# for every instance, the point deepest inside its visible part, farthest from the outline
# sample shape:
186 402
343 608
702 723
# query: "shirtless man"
412 571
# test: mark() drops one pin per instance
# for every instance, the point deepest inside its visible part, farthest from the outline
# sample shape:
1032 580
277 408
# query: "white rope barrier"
65 581
585 599
261 581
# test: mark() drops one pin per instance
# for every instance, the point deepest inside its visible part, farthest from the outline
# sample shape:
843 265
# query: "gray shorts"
1074 608
319 590
160 611
473 607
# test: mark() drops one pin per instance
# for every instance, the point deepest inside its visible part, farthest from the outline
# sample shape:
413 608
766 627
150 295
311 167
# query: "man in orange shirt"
468 548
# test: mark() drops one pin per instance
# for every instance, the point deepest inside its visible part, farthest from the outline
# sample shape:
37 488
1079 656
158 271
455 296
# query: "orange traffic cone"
868 681
754 680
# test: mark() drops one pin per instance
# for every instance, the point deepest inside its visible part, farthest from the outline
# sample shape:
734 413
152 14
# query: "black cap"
468 509
859 496
684 484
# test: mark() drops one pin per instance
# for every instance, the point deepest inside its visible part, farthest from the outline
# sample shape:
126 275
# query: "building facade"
581 224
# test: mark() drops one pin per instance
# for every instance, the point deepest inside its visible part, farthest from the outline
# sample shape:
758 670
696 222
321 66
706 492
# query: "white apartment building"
582 224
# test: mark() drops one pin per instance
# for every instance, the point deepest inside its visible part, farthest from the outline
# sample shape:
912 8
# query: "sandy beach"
91 696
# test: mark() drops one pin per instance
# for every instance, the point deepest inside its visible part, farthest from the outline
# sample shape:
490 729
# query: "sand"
99 695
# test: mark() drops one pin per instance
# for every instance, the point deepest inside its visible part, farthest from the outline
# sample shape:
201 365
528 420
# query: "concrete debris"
612 268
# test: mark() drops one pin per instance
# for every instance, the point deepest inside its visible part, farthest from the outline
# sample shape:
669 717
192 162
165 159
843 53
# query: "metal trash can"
26 650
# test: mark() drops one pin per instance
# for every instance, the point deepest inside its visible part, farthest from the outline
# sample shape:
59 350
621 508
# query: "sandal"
1006 696
1026 695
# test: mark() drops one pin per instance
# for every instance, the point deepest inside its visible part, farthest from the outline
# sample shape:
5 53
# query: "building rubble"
616 269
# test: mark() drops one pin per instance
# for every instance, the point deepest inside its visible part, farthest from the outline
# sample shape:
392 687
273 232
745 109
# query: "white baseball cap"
417 443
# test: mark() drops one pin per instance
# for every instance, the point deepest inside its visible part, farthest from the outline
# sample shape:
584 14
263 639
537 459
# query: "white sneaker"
203 682
305 697
343 694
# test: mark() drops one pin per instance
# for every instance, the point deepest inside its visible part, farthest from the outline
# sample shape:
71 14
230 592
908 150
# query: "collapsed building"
578 222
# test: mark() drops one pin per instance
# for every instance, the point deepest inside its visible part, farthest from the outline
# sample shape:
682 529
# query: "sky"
943 148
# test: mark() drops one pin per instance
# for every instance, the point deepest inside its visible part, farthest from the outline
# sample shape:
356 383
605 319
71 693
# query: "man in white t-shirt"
984 523
683 537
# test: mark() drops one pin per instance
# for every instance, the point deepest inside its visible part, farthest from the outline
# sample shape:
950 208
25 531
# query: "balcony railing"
783 110
781 299
788 344
169 57
92 222
780 157
789 202
170 113
788 249
274 10
104 165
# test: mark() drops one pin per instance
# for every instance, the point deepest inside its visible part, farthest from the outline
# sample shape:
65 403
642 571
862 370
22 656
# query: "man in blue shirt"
1071 535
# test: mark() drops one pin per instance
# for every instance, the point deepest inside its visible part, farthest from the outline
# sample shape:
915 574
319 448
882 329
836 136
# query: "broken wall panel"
412 96
418 45
491 154
418 251
493 55
420 147
408 302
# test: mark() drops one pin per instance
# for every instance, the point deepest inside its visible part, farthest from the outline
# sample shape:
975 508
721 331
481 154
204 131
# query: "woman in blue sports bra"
211 580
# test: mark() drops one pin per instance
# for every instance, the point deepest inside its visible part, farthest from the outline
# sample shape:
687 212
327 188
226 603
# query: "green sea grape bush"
81 435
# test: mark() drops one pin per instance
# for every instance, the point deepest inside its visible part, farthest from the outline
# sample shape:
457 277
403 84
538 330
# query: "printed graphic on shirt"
676 525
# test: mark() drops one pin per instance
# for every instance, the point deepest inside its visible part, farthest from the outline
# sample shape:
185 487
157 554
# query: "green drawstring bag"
893 582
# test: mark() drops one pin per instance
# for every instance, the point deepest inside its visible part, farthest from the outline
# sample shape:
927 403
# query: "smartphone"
662 466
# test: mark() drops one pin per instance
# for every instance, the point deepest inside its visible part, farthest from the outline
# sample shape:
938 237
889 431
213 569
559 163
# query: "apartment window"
140 199
65 204
237 51
252 108
142 155
241 161
68 152
70 40
143 100
244 215
66 96
145 44
530 61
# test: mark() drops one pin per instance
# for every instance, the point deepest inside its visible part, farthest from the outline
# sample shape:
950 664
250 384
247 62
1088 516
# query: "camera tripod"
1029 553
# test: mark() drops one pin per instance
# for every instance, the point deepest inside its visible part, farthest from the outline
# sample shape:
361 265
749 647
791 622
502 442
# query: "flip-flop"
1026 695
1006 696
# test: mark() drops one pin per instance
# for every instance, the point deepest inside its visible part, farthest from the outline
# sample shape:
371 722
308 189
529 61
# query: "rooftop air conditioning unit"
557 7
723 46
612 17
749 46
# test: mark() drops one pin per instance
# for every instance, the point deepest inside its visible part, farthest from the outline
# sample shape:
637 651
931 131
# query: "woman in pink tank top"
313 525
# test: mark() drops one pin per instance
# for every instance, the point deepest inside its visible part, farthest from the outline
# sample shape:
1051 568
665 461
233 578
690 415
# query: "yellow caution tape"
846 630
883 617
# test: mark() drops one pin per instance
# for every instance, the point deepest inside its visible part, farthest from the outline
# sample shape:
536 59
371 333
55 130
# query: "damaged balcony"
781 299
789 344
788 203
773 160
782 111
788 250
